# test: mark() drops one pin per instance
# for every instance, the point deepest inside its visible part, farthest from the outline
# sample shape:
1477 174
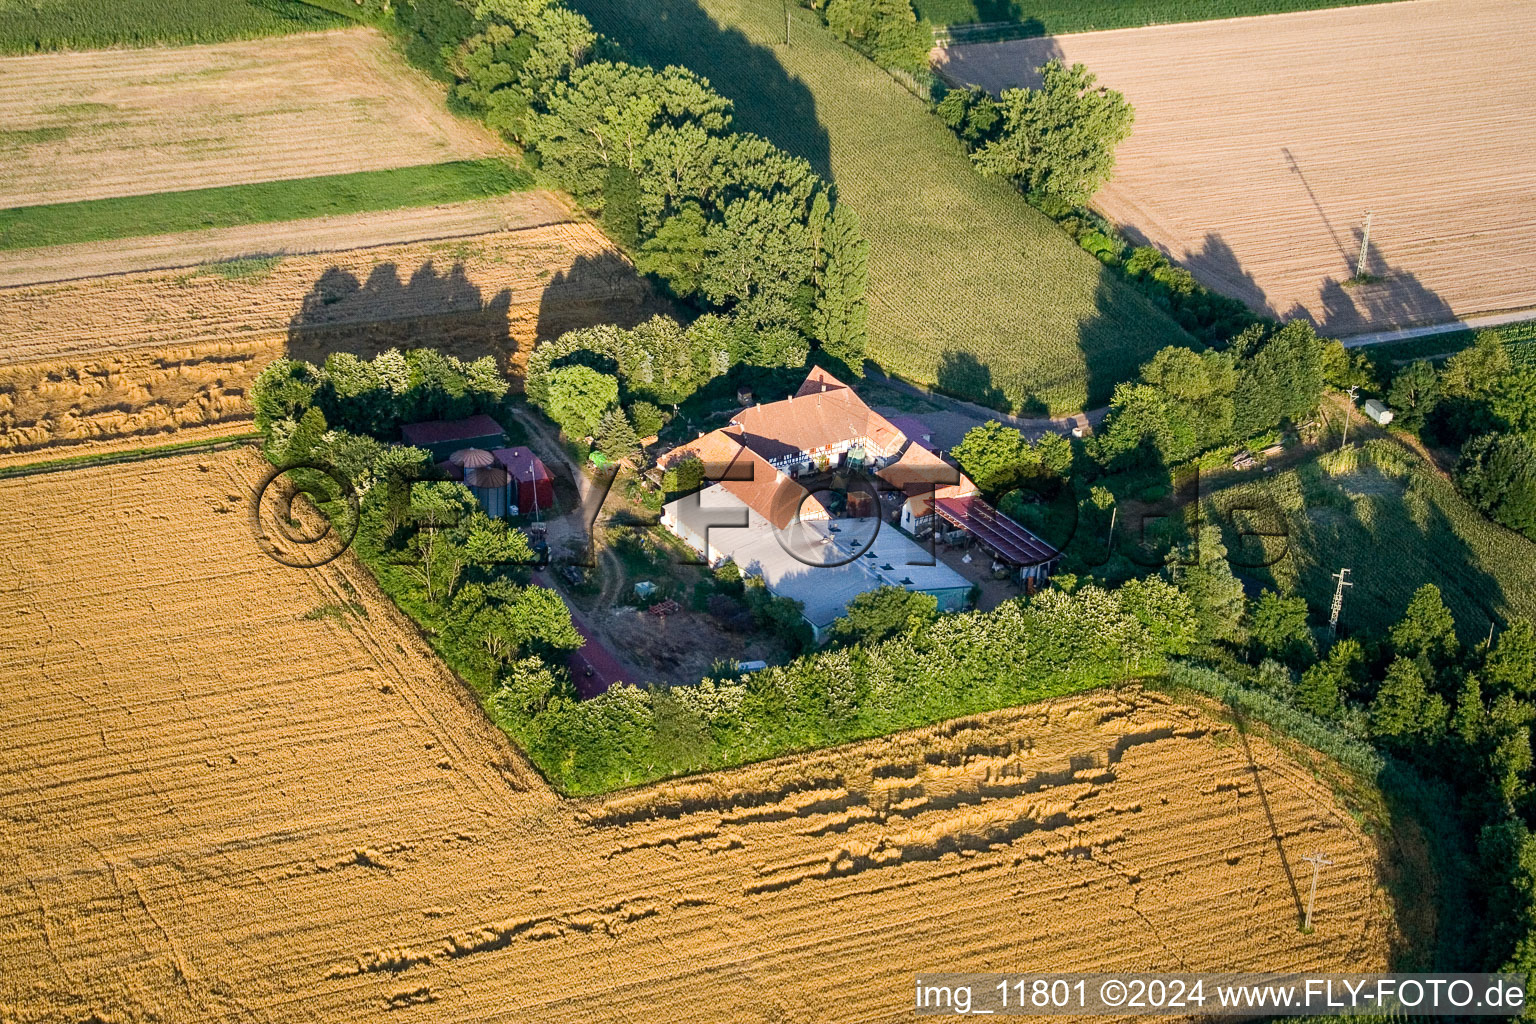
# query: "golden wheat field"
123 122
234 790
1260 143
93 362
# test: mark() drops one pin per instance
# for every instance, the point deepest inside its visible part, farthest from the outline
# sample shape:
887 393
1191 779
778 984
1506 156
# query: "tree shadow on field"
601 289
768 100
1217 267
445 311
1291 532
1390 297
1026 51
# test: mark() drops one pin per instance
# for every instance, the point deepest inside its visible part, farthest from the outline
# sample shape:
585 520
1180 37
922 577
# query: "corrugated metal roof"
442 431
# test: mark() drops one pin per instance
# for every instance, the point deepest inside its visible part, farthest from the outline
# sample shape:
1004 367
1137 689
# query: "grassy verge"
1028 18
30 26
970 288
96 220
130 455
1389 519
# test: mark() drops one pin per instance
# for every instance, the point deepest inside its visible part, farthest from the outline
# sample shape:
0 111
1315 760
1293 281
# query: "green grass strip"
129 455
95 220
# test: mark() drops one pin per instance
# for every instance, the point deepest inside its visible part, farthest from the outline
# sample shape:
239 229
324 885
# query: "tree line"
1481 402
460 574
724 220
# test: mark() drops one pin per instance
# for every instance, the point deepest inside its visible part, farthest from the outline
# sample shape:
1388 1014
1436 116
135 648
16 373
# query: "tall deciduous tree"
841 321
1058 140
578 398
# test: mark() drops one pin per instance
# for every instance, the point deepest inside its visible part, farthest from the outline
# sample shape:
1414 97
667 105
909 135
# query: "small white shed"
1378 411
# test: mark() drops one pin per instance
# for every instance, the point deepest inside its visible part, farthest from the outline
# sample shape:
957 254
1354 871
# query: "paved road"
957 415
1471 323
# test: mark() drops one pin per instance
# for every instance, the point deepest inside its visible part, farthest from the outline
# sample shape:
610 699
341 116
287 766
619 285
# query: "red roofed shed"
533 488
444 437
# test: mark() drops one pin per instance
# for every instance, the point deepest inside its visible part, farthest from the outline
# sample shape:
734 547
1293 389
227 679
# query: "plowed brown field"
1261 142
237 791
162 119
138 354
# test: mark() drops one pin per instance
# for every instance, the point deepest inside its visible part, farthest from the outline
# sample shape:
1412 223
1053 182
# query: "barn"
444 437
532 488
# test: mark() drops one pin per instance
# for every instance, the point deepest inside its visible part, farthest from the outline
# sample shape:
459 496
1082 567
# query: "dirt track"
230 794
142 354
319 234
124 122
1260 142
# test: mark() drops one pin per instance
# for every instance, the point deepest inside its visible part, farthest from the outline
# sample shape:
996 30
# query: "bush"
1497 473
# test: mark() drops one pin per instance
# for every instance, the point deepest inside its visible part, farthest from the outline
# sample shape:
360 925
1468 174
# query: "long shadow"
1217 267
1390 297
601 289
1269 816
441 310
1295 168
445 310
768 100
1348 521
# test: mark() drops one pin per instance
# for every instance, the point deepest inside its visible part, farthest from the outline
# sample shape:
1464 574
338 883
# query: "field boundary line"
91 461
278 254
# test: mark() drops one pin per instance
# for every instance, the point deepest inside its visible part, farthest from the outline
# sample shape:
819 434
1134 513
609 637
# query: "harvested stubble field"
235 790
1259 144
130 122
101 359
282 238
970 287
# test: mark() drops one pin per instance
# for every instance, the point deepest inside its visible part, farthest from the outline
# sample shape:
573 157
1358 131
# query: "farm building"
823 427
754 511
1378 411
489 486
532 488
444 437
822 563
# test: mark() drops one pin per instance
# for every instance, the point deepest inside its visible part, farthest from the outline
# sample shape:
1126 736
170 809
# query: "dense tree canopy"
1058 140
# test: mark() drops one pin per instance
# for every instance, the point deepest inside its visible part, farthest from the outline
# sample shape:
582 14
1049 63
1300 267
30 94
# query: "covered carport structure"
1006 540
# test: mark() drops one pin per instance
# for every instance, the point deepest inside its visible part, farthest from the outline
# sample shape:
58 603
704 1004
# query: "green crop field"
96 220
1519 337
971 288
1054 17
27 26
1395 530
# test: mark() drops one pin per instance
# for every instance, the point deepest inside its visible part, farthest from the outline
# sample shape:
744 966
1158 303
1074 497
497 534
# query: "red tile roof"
823 413
745 474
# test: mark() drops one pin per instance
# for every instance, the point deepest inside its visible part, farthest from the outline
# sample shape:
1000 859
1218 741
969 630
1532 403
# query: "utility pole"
1113 512
1317 860
786 25
1353 389
1338 599
1365 242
